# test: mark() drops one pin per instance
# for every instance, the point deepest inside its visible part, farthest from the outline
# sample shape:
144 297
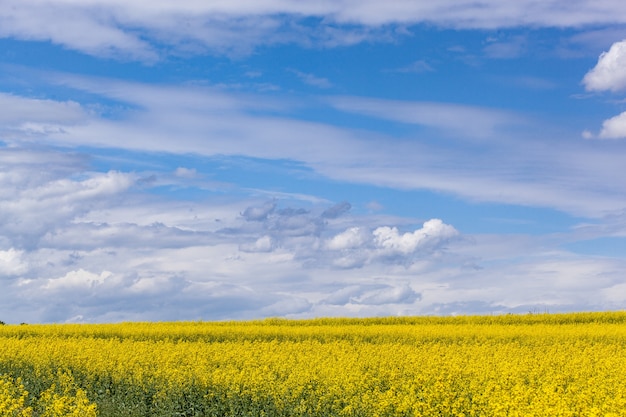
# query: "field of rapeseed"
514 365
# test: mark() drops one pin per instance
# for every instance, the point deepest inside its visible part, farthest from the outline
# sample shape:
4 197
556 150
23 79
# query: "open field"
530 365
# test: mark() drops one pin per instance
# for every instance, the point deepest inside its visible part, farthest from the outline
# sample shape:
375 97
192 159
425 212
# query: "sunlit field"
513 365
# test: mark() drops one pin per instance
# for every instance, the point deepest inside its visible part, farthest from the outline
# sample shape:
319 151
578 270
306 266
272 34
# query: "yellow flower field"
513 365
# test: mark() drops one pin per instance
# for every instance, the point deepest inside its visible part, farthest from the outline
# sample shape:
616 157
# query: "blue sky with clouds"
234 160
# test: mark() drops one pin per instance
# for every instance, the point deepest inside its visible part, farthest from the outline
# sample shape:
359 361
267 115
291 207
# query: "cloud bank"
107 249
59 240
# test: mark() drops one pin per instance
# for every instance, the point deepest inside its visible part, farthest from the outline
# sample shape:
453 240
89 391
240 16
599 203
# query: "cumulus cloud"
354 237
614 128
433 232
357 246
609 74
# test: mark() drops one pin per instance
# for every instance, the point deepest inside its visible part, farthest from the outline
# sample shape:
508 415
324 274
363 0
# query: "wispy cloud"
417 67
311 79
505 48
145 31
503 164
534 83
473 121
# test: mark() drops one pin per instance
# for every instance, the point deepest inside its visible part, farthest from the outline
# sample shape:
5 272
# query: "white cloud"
45 193
132 253
77 280
183 172
514 168
337 210
389 295
77 26
610 71
356 246
615 294
344 295
144 30
288 304
113 262
39 204
417 67
506 49
108 258
373 295
517 167
469 14
614 128
312 80
470 121
259 212
11 262
262 244
354 237
434 231
587 134
29 118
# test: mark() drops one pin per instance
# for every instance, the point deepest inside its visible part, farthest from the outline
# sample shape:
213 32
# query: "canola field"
510 365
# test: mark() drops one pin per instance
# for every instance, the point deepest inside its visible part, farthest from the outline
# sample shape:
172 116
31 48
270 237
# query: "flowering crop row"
533 365
66 400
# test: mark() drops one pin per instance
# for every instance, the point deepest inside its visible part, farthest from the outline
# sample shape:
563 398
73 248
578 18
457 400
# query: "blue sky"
235 160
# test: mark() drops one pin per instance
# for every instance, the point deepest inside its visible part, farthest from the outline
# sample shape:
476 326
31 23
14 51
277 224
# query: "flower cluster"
66 401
